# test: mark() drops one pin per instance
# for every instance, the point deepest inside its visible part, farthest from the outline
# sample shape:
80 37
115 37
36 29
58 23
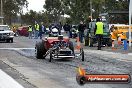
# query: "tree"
11 8
77 9
54 9
30 17
119 5
80 9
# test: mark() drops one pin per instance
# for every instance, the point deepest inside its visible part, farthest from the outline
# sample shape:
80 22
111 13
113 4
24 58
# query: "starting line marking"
8 82
129 53
15 48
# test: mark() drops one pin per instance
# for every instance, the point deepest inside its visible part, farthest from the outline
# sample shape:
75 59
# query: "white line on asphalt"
125 60
14 48
7 82
129 53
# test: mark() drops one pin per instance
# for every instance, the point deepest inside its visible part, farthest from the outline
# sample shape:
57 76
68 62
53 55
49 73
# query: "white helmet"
54 30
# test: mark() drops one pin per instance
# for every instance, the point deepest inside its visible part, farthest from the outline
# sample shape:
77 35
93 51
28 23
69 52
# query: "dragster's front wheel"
51 57
82 54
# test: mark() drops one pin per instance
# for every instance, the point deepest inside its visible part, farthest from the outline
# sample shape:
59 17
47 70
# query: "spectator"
67 28
42 30
81 29
55 25
99 27
30 30
36 26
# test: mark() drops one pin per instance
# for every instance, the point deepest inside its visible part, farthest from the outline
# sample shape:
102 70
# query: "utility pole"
130 17
91 11
1 11
63 7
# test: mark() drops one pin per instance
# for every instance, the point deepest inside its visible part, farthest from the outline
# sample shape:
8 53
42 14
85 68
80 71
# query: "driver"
56 26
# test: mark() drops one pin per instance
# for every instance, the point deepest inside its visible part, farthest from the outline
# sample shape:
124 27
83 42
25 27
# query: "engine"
61 48
60 45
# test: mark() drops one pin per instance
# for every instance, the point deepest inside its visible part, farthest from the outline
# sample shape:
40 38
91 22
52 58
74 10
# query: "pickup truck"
6 34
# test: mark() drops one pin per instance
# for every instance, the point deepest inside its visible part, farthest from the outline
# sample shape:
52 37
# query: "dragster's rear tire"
40 50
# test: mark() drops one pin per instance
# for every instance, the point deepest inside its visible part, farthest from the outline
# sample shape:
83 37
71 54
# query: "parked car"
23 31
6 34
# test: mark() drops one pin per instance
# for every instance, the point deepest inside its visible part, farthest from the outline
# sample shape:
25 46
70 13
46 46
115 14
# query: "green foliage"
76 9
54 9
80 9
32 16
11 8
117 5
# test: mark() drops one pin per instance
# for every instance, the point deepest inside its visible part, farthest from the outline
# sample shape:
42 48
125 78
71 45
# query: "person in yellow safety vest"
30 30
14 29
99 27
36 26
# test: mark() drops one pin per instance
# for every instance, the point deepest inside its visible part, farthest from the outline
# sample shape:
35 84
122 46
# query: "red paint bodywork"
23 31
50 40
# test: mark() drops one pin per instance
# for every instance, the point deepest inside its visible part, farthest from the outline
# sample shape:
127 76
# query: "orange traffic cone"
78 44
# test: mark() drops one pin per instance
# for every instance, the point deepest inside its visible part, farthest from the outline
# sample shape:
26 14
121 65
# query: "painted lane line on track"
8 82
125 60
16 48
130 54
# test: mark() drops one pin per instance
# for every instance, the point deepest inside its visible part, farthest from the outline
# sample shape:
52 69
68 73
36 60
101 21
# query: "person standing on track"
30 30
99 27
42 30
36 26
67 29
81 29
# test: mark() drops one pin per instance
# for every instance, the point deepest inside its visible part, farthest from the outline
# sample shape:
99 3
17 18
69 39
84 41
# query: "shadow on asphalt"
6 42
64 59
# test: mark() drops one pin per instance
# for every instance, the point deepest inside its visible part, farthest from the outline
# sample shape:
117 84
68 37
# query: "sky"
36 5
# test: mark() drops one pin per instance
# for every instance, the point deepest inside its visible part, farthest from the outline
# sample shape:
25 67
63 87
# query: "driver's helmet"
73 29
54 32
